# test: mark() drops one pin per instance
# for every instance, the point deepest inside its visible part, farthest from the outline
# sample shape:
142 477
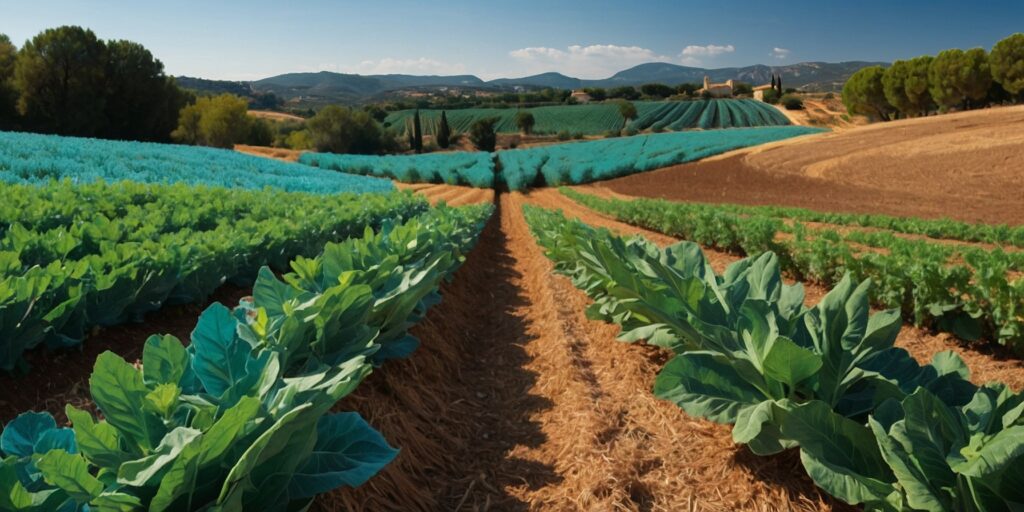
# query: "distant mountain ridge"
327 86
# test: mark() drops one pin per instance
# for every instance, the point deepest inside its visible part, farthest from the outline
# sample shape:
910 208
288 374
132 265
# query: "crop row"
39 159
559 164
456 168
239 419
708 114
969 291
599 118
873 426
947 229
583 162
77 256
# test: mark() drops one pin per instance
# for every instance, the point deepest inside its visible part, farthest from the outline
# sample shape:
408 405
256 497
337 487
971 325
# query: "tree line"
953 79
67 81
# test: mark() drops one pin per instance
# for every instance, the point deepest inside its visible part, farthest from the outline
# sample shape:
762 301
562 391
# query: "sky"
236 40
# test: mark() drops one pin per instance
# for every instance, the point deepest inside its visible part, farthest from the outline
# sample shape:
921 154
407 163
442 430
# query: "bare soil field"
275 116
453 195
823 112
284 154
965 166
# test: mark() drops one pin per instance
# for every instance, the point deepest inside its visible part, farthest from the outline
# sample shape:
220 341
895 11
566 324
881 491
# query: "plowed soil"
453 195
965 166
516 401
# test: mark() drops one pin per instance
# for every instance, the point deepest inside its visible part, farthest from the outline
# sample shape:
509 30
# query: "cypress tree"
444 132
780 84
773 80
417 132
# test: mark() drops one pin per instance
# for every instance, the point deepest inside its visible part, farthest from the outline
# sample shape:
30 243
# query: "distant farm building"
776 84
580 96
716 90
759 91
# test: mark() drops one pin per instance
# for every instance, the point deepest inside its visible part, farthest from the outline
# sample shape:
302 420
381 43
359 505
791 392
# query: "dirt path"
283 154
536 407
987 362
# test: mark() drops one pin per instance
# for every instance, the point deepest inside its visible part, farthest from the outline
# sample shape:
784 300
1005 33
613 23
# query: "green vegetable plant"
826 380
967 290
238 419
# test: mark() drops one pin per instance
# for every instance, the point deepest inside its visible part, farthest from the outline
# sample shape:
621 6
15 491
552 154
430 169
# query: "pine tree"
444 132
417 132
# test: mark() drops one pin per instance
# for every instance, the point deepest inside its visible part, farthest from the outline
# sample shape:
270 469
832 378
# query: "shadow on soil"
461 403
785 471
497 381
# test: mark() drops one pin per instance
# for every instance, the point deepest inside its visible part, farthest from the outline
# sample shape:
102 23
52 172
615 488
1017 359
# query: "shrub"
771 96
563 135
218 121
482 134
524 121
299 139
792 102
342 130
830 96
261 133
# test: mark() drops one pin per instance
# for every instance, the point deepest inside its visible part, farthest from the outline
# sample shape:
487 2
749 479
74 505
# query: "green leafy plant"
873 426
239 419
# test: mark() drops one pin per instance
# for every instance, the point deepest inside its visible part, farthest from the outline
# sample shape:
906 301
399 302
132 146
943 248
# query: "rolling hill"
330 87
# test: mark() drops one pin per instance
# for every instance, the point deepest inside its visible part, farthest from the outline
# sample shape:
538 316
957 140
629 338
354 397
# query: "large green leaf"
70 473
118 390
116 502
759 427
280 450
98 442
348 452
839 454
164 360
142 472
790 363
219 356
705 386
14 495
19 437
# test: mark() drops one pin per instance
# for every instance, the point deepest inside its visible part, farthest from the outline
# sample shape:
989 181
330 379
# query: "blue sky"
590 39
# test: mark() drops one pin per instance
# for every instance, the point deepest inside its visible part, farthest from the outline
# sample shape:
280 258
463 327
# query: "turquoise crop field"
33 158
583 162
473 169
558 164
598 118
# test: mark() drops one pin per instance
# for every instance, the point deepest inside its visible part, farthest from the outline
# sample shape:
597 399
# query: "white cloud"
386 66
691 55
779 53
710 50
594 61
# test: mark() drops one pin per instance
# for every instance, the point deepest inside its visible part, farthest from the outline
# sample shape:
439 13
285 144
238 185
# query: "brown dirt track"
965 166
518 402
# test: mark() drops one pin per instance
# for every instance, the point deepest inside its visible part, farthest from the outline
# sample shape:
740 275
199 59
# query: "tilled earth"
965 166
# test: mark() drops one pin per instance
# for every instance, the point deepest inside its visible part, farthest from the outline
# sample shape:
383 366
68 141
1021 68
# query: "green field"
598 118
